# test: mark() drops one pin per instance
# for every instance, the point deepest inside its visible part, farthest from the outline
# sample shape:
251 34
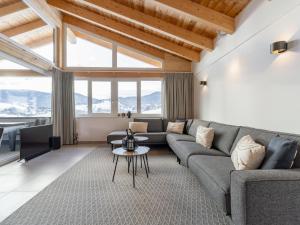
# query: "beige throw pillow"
247 155
138 127
205 136
175 127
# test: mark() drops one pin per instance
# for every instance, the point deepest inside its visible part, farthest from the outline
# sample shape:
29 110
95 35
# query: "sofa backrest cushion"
224 136
188 125
195 123
262 137
154 124
295 138
165 124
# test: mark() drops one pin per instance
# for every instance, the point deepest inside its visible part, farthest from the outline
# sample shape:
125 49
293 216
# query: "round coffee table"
131 156
137 139
119 143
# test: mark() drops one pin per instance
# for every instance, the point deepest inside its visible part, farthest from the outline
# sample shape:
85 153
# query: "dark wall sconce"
203 82
278 47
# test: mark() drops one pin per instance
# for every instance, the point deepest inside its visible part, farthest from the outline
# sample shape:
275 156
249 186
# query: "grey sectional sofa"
253 197
249 197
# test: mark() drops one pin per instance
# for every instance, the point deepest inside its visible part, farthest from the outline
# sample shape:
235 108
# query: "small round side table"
141 151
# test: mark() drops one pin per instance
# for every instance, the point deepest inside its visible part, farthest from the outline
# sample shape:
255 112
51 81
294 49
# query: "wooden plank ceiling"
183 28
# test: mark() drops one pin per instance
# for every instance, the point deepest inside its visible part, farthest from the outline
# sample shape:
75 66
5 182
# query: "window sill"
119 117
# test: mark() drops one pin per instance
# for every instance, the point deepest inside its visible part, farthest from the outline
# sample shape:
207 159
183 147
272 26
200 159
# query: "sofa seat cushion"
154 138
185 149
224 136
116 135
213 173
179 137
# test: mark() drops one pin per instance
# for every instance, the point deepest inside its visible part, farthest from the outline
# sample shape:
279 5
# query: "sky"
43 84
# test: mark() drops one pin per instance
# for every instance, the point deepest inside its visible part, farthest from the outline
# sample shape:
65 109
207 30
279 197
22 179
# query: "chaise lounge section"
248 197
156 132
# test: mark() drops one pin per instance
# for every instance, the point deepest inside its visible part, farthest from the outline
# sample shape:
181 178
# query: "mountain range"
29 102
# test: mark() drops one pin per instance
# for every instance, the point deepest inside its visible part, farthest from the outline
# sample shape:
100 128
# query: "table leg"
141 162
128 162
136 165
145 165
112 148
115 168
133 172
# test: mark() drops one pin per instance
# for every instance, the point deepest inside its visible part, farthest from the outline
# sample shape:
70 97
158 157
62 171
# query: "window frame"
114 55
114 97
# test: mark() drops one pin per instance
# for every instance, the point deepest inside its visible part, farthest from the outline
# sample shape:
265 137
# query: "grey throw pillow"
281 153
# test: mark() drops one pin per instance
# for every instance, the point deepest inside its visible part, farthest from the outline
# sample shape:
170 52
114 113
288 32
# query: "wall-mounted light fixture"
278 47
203 82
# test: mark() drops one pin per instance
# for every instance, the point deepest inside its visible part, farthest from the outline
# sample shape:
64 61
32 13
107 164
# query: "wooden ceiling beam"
24 28
113 36
51 16
12 8
39 42
17 53
208 16
125 29
153 23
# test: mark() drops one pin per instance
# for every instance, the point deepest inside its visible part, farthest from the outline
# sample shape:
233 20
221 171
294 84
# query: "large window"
90 51
9 65
130 59
115 96
81 97
151 97
39 41
101 96
25 96
127 96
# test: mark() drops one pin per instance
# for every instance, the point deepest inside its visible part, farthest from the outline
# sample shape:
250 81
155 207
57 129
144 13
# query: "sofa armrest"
265 197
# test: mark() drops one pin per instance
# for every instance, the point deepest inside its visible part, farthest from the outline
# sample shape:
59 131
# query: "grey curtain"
63 106
178 95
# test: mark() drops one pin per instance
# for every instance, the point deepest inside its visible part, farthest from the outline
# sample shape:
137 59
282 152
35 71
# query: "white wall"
97 128
246 84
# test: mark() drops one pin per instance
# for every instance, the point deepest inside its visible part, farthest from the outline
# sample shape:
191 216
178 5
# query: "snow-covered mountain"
27 103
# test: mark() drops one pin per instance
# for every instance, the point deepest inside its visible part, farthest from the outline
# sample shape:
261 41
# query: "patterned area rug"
85 195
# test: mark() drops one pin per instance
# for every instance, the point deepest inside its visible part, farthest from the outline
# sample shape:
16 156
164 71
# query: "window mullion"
114 96
90 97
114 56
139 97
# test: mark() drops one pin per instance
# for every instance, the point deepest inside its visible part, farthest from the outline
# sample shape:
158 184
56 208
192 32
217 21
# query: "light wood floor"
19 182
